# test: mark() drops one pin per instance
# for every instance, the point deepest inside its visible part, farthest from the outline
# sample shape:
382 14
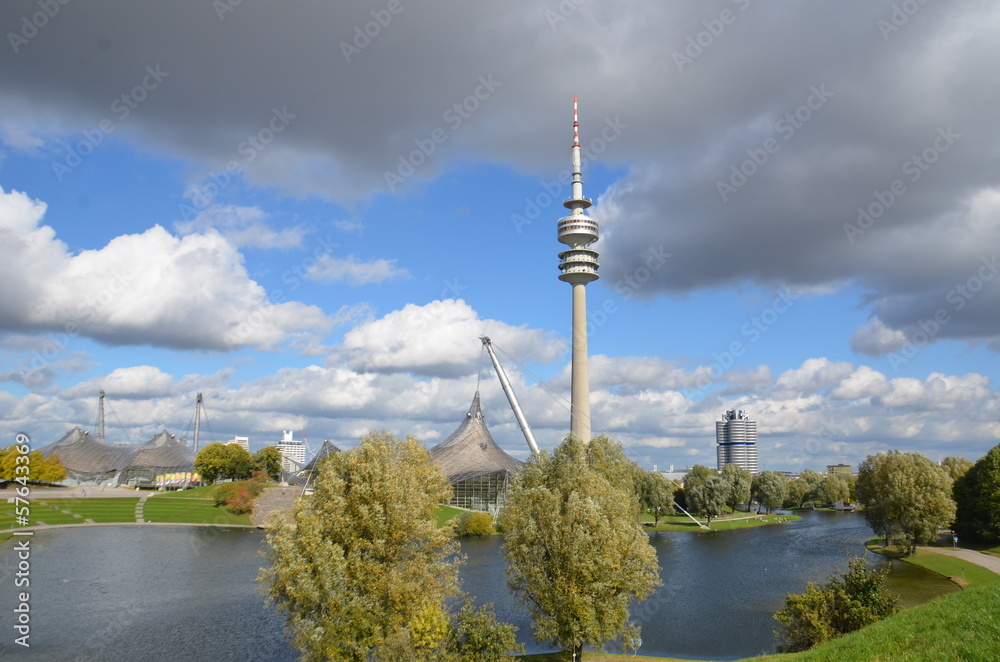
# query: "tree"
657 495
268 460
956 466
906 497
576 554
832 488
738 480
770 488
362 569
708 497
226 461
846 603
40 469
805 487
977 497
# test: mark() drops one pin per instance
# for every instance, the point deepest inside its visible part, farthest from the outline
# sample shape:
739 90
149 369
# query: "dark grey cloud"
826 107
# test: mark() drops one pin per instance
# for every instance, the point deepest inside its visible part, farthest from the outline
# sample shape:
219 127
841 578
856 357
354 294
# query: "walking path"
977 558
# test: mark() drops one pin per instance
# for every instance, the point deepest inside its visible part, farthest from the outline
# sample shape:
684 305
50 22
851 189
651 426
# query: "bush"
845 604
238 497
479 524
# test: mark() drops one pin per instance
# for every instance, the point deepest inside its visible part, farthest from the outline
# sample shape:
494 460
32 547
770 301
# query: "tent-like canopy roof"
83 453
470 450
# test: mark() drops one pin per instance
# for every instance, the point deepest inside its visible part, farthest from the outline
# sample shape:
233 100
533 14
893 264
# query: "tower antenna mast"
578 266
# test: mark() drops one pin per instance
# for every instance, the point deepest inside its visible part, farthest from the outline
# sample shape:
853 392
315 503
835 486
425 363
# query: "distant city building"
293 453
736 439
244 442
838 469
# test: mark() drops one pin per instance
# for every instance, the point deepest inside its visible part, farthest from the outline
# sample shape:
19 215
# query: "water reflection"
180 593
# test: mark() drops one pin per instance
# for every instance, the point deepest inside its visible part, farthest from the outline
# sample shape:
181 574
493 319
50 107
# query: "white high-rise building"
293 452
243 442
736 439
578 266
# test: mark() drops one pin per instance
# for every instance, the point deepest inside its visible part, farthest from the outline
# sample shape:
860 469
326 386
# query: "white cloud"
814 375
440 338
148 288
329 269
876 339
134 383
860 384
242 226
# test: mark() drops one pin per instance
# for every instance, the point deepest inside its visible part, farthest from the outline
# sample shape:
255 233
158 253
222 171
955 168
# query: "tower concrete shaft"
578 266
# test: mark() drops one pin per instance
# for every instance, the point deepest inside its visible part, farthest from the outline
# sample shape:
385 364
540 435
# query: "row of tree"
233 462
40 469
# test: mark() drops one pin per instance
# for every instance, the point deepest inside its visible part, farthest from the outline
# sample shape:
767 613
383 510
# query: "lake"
185 593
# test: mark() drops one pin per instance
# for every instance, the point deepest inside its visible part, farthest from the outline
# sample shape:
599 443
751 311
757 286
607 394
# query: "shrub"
479 524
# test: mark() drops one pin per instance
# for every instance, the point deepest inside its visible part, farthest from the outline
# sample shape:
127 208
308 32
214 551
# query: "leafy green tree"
977 496
846 603
225 461
268 460
708 497
475 524
738 480
41 469
576 553
364 572
956 466
804 488
906 497
832 488
657 495
770 488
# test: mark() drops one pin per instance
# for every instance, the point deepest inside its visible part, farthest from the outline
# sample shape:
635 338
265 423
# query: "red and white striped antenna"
576 125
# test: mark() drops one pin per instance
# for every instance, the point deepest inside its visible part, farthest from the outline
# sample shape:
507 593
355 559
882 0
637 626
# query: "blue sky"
798 208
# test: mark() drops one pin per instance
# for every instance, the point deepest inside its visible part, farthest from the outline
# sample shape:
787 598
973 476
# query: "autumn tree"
362 570
846 603
738 481
770 488
977 497
956 466
906 497
576 554
41 469
657 495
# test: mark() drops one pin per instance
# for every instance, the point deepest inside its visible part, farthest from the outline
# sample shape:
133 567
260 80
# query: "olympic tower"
578 266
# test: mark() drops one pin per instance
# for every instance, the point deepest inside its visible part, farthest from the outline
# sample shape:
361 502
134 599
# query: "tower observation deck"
578 266
578 231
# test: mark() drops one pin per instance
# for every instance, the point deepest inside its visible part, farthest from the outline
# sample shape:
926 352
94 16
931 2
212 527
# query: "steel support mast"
509 392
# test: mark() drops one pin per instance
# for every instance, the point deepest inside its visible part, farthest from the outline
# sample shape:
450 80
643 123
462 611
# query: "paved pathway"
977 558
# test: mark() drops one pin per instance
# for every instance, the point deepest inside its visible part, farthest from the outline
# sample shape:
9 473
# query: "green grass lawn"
673 523
167 508
50 511
445 513
205 492
961 571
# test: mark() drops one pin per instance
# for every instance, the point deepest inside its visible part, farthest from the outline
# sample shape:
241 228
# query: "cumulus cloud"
876 339
134 383
148 288
440 338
